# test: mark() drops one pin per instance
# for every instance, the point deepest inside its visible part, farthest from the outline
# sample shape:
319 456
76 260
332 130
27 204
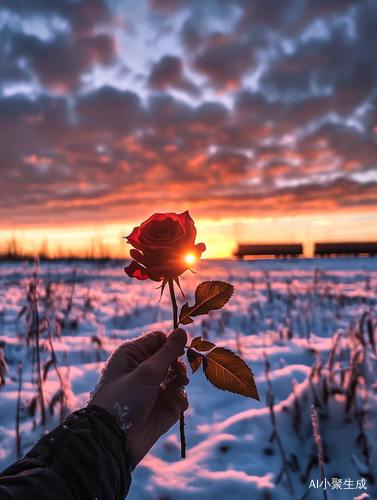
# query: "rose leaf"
194 359
226 371
209 295
201 345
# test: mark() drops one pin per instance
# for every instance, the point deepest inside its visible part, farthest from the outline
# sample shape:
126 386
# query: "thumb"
169 352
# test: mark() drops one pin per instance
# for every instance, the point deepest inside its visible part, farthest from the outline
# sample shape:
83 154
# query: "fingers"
175 398
180 400
148 343
173 390
176 375
167 354
180 369
131 353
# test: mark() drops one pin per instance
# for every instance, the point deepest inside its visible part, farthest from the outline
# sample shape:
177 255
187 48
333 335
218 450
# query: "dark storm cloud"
285 121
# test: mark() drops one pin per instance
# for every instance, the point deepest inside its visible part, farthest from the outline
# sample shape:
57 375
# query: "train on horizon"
354 248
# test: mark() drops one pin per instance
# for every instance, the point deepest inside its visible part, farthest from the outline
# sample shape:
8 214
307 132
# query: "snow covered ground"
311 321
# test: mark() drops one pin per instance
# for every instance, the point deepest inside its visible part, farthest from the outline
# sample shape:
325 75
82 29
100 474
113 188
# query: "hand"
142 386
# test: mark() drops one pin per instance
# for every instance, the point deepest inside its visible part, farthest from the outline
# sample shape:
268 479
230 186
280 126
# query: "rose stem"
175 325
174 304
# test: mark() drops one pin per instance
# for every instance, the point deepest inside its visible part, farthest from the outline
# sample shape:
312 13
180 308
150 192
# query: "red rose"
162 245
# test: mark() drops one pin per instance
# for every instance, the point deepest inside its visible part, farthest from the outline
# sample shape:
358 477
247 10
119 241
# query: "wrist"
116 410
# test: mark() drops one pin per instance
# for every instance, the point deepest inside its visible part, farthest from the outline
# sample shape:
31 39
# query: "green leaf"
209 295
194 359
226 371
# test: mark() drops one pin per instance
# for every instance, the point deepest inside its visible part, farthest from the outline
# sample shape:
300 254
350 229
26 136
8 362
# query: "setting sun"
190 259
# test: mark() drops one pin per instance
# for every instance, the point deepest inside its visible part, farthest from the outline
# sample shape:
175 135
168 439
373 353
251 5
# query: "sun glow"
190 259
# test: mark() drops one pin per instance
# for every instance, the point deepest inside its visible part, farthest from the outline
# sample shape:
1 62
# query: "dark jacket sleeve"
87 457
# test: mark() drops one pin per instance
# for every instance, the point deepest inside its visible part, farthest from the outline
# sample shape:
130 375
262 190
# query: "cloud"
57 54
168 73
118 149
83 15
284 121
59 64
166 6
190 35
110 111
227 167
224 62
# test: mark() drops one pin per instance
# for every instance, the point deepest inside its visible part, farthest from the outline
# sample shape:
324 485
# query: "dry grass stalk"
296 409
360 330
334 350
239 343
3 368
70 299
34 333
318 442
49 313
371 331
270 294
275 435
54 362
362 439
18 435
356 360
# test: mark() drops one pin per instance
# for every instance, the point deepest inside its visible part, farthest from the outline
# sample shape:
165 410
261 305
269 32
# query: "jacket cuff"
87 456
94 411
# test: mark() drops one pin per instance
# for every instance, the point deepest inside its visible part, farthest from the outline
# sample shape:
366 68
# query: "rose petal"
159 232
200 247
135 270
160 246
158 217
168 270
185 220
139 257
162 254
133 238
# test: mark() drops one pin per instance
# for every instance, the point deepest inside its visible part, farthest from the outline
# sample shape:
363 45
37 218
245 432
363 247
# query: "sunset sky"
258 116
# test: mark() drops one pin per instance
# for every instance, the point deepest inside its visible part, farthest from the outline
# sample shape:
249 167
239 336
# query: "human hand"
142 386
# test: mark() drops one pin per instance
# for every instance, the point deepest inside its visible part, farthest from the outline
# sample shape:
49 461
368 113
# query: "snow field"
305 327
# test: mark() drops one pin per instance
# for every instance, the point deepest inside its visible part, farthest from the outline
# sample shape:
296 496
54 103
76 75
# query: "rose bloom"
162 245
